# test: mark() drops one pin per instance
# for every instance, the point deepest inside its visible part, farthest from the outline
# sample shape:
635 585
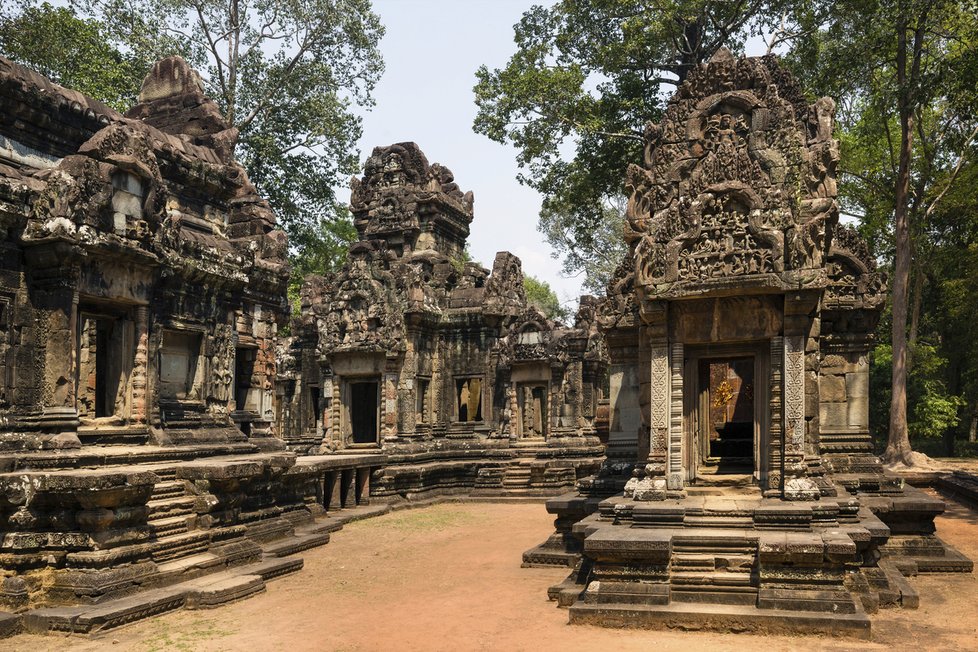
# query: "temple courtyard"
448 577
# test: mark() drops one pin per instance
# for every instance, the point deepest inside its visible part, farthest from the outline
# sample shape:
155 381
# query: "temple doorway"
364 414
726 442
104 365
726 408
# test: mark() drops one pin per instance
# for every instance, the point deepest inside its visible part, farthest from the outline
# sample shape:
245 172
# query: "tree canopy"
77 53
905 74
540 295
576 95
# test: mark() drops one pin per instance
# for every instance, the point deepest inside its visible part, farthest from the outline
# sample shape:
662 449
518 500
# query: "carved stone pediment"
406 200
362 310
854 282
737 185
531 338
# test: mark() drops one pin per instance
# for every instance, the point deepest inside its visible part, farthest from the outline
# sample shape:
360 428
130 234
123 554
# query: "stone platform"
149 518
722 558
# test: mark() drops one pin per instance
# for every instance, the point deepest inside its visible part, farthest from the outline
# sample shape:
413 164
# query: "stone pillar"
408 390
332 490
388 405
656 330
348 488
326 417
798 314
140 366
57 304
677 474
661 384
775 438
363 486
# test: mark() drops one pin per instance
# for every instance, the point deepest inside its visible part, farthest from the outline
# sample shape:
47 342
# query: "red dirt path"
449 578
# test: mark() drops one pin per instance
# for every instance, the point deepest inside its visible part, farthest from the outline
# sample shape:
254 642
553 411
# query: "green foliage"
541 295
575 97
76 53
934 409
598 255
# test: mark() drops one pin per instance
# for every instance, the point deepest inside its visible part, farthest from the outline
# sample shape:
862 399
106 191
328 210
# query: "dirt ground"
449 578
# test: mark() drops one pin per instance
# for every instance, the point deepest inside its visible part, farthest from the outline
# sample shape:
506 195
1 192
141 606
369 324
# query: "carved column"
140 364
676 473
655 315
798 308
775 442
56 300
661 382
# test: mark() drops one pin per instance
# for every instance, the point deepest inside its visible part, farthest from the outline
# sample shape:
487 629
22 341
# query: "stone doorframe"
760 352
672 401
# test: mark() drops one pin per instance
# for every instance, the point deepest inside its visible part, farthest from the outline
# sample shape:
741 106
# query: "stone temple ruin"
436 362
740 489
160 442
702 431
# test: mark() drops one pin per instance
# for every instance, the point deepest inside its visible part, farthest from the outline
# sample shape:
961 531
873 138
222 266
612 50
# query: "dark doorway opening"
244 371
103 367
468 396
726 441
364 400
532 402
314 413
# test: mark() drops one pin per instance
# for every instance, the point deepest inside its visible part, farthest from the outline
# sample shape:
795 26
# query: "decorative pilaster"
797 486
676 473
776 418
660 409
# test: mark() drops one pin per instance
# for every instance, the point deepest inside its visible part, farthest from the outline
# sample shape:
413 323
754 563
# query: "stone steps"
187 567
167 507
169 489
716 578
180 545
295 544
200 593
720 617
171 525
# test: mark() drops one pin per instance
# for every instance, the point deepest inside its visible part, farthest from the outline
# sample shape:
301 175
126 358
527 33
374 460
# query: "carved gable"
737 187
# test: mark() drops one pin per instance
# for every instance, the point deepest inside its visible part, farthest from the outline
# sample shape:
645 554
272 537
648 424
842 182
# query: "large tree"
575 97
905 72
540 295
286 73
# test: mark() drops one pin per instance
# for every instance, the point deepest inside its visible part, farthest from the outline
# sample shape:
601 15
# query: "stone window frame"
482 397
195 389
128 189
426 411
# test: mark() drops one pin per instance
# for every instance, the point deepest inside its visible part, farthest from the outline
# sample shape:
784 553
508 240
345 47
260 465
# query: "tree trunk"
898 444
917 297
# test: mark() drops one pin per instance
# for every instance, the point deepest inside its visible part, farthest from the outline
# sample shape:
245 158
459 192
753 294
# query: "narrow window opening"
468 395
